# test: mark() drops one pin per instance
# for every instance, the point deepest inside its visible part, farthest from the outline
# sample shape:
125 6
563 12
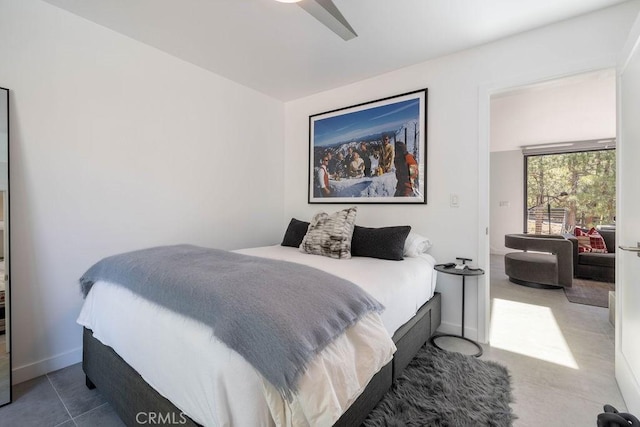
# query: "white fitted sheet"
183 361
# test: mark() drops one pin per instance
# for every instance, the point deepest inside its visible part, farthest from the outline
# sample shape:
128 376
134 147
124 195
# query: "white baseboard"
33 370
453 328
628 384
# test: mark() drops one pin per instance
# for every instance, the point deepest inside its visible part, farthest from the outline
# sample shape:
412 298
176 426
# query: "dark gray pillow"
383 243
295 233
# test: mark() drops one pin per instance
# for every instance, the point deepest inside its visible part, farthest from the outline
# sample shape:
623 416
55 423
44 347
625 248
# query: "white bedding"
183 361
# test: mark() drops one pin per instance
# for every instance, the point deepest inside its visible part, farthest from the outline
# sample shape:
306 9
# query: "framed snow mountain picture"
370 153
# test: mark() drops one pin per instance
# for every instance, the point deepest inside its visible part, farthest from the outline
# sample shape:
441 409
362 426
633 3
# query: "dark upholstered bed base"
136 402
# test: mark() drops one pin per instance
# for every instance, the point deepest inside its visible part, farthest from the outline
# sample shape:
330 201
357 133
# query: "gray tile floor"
560 356
58 399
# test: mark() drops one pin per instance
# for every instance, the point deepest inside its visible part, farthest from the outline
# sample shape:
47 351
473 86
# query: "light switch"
505 203
453 201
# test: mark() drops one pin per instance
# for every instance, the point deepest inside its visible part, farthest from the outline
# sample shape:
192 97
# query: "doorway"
552 160
536 330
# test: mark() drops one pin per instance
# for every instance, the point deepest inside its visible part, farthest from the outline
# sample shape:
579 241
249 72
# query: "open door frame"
627 346
485 91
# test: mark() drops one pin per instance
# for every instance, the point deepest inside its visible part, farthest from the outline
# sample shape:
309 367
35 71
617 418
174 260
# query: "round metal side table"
464 273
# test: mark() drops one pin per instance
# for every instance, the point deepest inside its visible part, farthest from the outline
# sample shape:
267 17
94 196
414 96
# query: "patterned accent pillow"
330 235
584 241
598 244
590 241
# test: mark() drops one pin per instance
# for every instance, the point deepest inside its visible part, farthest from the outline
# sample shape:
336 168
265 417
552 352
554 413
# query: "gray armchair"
596 266
546 260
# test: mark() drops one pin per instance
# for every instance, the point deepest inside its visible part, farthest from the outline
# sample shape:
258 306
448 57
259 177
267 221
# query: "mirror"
5 339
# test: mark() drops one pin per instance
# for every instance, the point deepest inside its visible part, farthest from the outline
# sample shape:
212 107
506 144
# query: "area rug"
589 292
446 389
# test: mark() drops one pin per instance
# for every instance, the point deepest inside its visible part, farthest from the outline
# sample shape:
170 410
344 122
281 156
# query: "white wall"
506 197
576 108
453 137
116 146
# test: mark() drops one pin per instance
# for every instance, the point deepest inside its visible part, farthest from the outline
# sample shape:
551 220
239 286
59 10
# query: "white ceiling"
282 51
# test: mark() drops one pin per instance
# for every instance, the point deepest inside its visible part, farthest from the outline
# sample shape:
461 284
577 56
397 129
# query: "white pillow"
416 245
330 235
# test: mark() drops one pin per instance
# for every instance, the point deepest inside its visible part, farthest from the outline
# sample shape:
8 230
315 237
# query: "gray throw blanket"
276 314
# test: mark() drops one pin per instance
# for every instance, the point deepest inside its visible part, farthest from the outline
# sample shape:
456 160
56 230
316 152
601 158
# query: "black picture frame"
349 156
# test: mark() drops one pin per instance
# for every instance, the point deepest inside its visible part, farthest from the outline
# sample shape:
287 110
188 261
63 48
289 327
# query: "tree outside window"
580 187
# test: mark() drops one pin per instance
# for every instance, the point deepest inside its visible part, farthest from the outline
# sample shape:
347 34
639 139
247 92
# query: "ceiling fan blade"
327 13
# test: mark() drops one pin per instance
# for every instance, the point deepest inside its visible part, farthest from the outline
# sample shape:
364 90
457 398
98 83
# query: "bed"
170 368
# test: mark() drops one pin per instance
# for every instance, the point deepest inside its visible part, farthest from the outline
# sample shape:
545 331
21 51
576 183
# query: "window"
569 189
